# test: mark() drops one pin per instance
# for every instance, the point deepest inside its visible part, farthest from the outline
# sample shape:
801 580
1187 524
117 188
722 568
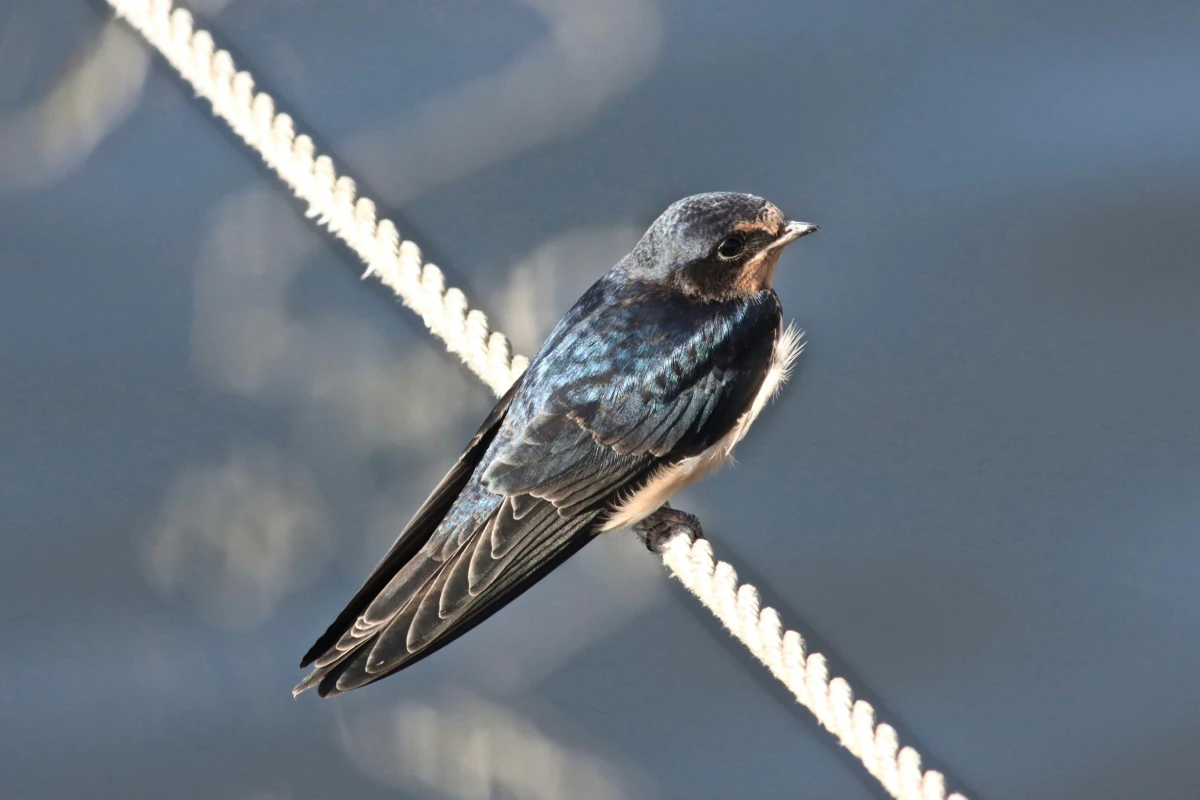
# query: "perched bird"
644 386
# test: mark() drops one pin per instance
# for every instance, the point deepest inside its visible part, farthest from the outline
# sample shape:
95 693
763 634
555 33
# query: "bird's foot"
658 528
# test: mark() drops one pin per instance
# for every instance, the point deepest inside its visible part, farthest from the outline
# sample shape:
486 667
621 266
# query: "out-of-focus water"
981 491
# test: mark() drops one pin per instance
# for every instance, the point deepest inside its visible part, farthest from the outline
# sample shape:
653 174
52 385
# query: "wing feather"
418 531
616 394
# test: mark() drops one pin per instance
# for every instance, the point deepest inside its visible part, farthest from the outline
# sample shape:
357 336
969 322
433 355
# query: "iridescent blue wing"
418 531
641 385
626 383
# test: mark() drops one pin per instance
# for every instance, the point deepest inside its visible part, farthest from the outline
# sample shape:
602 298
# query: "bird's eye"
731 247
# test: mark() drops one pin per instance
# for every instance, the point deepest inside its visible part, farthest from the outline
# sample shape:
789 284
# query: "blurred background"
980 492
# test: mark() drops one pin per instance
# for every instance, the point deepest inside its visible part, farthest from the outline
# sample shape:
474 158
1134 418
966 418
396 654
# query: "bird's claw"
658 528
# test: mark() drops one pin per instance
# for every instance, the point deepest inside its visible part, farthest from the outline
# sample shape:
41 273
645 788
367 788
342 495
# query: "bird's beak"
793 231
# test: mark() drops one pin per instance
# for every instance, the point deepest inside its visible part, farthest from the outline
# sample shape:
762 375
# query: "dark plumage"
645 385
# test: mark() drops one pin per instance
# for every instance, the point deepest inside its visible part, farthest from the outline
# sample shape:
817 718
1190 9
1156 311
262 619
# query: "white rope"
331 198
807 677
332 201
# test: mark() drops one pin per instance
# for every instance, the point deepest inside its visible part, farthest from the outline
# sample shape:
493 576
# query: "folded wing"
557 452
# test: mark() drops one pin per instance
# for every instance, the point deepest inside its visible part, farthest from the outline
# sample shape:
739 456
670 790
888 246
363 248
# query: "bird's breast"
671 478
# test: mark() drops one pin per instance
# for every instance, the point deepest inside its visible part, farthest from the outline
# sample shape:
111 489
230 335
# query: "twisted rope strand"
333 202
831 700
332 198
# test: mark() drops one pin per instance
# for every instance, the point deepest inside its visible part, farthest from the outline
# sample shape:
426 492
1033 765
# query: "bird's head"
714 247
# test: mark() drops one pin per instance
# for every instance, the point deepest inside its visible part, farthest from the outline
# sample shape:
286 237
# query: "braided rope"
332 201
831 700
331 197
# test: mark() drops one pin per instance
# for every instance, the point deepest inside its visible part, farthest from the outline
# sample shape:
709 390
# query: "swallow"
644 387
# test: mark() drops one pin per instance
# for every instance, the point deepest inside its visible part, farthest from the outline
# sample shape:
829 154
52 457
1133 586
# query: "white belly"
670 479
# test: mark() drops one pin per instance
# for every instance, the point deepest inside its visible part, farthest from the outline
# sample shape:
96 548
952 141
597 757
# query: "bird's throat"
757 273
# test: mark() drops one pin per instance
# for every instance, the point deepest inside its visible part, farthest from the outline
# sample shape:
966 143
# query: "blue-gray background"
980 492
